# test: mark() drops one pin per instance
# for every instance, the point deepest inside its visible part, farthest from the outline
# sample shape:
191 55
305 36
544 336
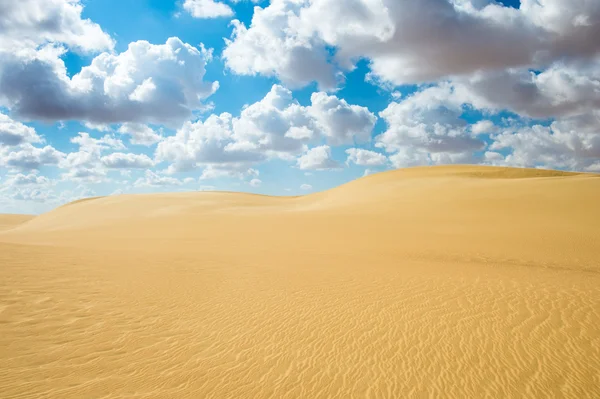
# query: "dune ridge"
455 281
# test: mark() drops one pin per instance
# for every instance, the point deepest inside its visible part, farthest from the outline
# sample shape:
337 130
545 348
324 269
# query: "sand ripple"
464 294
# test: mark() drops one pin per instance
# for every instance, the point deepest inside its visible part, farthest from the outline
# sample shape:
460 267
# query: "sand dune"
445 282
10 221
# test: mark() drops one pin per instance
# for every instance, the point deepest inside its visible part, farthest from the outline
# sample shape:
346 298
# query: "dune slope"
427 282
8 222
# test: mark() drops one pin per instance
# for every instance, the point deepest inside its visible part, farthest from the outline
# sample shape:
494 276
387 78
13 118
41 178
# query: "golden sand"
444 282
9 221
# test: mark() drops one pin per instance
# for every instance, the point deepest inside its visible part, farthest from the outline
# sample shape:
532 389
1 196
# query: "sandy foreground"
443 282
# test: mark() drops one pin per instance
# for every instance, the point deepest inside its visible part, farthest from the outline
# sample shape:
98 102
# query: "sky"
286 97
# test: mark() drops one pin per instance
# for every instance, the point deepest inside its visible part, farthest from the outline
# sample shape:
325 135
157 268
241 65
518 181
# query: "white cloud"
147 83
540 61
410 41
31 179
426 128
85 174
30 23
255 182
152 179
408 157
318 158
14 133
144 92
19 189
204 144
274 45
119 160
364 157
140 134
563 144
306 187
86 163
27 157
207 9
228 171
276 127
483 127
88 143
29 194
594 168
560 90
341 122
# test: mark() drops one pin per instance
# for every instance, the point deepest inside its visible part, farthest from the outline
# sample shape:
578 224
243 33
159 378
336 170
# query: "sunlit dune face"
444 282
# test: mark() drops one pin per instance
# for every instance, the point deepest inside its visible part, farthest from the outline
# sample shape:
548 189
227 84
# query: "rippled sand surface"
444 282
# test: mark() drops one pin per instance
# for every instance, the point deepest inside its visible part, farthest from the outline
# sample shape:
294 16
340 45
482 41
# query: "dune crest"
454 282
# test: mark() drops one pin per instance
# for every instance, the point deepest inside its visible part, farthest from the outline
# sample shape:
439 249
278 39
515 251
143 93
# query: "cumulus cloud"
140 134
204 143
153 179
564 144
14 133
540 60
27 157
318 158
30 23
427 128
147 83
17 151
274 45
409 41
207 8
483 127
119 160
362 157
255 182
29 187
561 90
31 179
341 122
86 163
276 127
306 187
230 171
29 194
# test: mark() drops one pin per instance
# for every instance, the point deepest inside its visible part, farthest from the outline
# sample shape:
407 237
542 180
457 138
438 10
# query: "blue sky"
303 102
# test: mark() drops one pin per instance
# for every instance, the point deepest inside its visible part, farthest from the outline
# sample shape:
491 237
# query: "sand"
9 221
443 282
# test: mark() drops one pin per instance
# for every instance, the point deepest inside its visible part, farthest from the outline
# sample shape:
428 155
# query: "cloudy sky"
283 97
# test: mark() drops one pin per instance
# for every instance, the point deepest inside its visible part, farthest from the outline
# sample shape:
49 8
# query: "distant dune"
10 221
442 282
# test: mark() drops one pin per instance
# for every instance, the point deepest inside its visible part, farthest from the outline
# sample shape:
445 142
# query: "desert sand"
440 282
